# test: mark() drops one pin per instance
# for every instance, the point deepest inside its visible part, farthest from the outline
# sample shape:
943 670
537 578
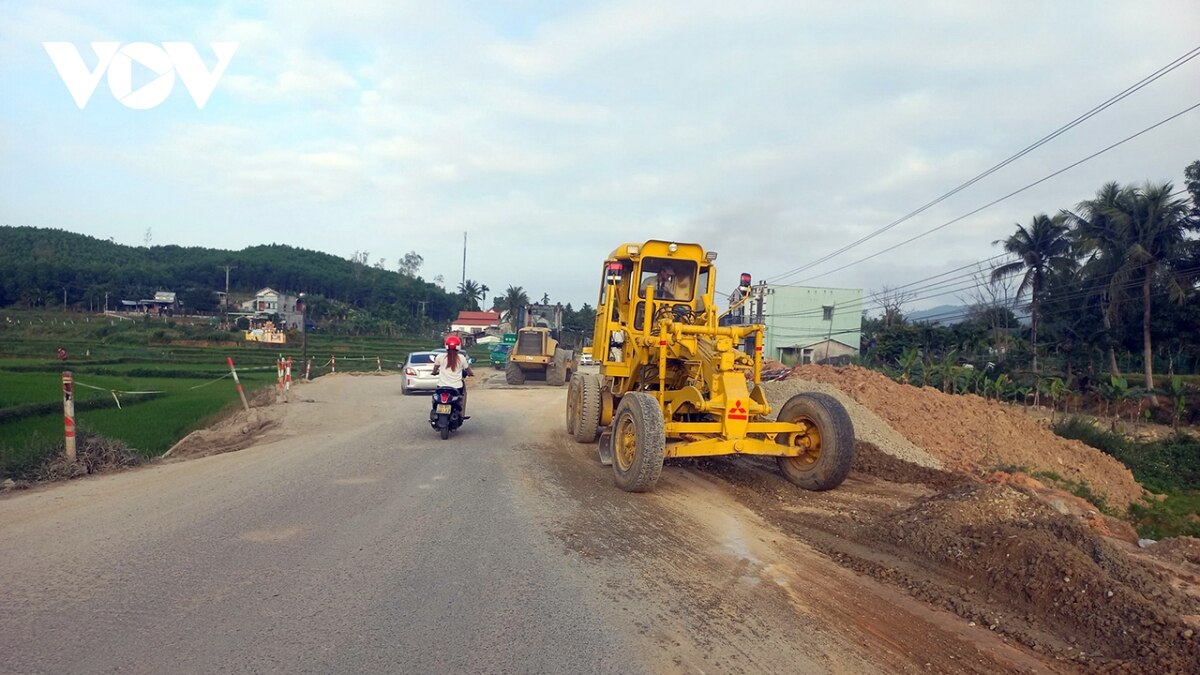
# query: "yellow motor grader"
673 382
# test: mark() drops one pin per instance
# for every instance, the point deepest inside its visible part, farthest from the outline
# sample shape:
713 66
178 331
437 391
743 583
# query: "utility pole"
106 302
829 337
227 268
464 278
303 330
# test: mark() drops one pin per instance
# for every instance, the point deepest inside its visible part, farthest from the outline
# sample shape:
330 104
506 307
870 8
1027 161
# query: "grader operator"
672 382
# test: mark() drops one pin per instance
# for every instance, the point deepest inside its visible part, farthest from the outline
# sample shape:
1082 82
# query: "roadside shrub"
1168 465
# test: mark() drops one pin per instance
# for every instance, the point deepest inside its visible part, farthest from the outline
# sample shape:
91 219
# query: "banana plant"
1058 391
947 368
979 379
1177 390
1114 392
1023 394
907 361
1002 386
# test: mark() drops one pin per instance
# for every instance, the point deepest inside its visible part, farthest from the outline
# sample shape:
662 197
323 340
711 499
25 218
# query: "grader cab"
673 382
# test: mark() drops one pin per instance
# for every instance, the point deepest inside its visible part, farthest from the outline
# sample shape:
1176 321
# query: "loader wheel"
587 417
573 405
513 374
827 441
556 373
638 442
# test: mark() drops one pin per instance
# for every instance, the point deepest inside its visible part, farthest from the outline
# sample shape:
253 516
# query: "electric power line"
1007 196
1178 62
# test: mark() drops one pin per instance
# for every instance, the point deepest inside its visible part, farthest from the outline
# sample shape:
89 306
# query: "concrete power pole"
227 268
464 275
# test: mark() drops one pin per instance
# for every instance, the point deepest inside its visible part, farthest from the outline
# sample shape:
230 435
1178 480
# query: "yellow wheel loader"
539 352
673 382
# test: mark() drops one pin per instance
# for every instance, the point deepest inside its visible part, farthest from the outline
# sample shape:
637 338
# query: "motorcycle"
446 414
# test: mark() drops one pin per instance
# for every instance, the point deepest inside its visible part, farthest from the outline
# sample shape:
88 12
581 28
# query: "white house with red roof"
471 323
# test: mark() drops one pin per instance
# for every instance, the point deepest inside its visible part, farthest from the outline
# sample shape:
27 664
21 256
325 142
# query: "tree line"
39 266
1115 278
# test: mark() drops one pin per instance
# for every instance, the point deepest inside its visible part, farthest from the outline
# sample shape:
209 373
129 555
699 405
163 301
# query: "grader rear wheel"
826 441
638 442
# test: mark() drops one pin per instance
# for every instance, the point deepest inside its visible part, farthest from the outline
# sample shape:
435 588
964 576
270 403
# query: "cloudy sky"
771 132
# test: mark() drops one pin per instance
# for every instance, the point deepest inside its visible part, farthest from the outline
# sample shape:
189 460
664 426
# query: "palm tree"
1100 240
473 292
1153 226
1043 248
514 298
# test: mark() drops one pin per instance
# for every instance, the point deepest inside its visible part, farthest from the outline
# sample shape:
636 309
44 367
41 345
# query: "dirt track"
508 548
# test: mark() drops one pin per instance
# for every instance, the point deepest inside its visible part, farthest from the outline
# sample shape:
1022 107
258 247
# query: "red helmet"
452 342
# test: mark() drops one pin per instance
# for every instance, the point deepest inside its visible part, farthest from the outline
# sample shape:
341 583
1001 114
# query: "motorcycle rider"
451 367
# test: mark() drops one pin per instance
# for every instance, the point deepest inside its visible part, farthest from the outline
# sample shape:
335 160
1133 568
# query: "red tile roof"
477 318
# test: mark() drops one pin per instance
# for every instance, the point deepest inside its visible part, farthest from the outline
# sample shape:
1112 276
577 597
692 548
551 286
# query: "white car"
418 372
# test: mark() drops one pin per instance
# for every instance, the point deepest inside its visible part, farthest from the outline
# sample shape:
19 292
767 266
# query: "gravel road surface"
352 539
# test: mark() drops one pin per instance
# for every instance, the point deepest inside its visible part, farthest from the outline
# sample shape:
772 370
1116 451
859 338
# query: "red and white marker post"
287 377
241 392
68 415
308 370
333 361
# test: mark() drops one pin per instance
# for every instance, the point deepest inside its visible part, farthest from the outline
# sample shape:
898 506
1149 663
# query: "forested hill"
36 264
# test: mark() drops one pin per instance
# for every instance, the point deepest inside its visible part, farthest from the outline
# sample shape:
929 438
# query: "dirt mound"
235 433
1179 549
1021 562
970 434
238 430
993 553
1067 504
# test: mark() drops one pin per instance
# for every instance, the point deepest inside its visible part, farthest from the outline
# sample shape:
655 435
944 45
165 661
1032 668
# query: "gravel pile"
867 425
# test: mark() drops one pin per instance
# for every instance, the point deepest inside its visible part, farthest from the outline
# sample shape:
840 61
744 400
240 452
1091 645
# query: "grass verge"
1170 467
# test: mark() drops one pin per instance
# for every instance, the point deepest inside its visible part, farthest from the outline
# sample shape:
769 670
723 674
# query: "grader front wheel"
826 441
638 442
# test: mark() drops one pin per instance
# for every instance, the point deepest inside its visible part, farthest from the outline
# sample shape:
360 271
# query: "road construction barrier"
241 392
68 416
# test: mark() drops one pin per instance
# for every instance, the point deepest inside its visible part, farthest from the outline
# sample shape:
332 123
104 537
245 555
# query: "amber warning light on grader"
745 281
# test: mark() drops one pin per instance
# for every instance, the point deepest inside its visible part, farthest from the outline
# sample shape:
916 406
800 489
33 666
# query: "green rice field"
190 377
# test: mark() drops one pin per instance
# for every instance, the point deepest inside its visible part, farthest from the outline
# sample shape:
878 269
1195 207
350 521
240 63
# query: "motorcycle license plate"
443 408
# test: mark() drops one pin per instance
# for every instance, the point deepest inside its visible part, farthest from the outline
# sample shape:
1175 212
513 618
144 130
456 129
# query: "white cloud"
773 132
